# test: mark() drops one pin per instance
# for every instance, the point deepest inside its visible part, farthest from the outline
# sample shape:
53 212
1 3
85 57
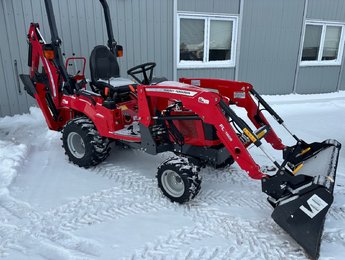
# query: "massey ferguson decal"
173 91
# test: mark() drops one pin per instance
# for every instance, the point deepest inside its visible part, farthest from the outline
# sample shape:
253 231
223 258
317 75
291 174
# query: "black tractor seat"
105 72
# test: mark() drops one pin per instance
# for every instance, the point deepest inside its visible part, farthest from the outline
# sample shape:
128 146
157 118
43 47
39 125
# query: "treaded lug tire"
94 150
184 174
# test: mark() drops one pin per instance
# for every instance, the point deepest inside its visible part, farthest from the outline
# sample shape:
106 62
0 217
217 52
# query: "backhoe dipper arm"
208 106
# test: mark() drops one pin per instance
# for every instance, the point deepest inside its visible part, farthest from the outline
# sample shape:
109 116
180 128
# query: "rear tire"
178 179
82 143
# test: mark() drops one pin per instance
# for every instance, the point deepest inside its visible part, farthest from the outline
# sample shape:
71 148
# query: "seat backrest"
103 64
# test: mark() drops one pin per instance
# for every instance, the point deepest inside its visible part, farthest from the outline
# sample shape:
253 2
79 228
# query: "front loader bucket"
302 205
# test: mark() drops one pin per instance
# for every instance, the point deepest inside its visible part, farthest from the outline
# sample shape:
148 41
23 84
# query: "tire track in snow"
204 217
337 212
250 237
105 205
245 199
95 208
334 235
231 175
34 231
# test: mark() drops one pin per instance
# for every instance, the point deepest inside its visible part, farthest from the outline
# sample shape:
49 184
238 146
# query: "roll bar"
111 41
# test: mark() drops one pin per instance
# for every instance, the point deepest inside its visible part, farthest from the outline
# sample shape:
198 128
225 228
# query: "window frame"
319 61
206 63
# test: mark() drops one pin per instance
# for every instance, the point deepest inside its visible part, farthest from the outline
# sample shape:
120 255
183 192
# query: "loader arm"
239 94
209 106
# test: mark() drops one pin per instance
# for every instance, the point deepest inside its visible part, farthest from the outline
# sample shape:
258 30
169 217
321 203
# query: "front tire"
178 179
82 143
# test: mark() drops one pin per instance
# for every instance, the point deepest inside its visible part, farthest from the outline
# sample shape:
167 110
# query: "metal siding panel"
209 6
83 33
27 15
157 35
136 31
9 52
143 36
342 81
221 73
90 25
186 5
226 6
317 79
37 14
129 36
270 43
5 107
326 10
98 22
21 31
74 27
151 43
170 39
65 34
121 38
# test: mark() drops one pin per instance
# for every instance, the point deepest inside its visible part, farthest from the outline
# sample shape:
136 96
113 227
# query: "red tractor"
193 118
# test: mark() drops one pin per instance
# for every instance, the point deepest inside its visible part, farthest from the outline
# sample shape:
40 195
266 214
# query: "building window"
323 43
206 40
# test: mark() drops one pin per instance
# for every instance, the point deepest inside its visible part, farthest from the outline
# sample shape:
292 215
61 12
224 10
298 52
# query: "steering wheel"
142 69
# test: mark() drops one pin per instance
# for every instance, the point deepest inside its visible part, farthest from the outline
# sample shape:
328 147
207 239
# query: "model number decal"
240 95
203 100
226 133
173 91
316 204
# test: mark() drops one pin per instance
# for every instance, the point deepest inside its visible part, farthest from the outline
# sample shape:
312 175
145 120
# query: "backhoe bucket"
304 198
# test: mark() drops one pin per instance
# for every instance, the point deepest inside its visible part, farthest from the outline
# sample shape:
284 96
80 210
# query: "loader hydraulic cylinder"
246 130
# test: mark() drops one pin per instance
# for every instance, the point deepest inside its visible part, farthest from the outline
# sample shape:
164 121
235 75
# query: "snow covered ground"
51 209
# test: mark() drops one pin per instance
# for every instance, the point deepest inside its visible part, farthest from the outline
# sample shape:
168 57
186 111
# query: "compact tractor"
193 118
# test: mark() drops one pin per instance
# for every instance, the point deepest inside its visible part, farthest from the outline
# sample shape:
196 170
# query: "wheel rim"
76 145
172 183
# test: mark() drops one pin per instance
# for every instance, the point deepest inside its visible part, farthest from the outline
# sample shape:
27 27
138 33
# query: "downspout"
341 71
174 40
238 46
299 57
